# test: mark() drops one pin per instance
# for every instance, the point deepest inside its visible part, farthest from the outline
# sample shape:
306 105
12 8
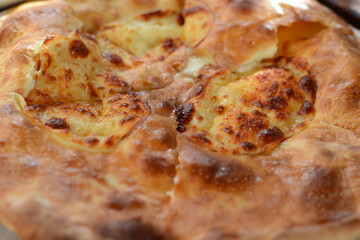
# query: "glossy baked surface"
168 119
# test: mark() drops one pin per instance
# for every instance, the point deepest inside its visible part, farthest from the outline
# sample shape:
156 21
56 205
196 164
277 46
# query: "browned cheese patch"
253 114
154 14
83 83
78 49
114 59
97 126
143 35
62 68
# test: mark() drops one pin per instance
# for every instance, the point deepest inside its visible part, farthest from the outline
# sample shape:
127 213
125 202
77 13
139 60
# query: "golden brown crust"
103 132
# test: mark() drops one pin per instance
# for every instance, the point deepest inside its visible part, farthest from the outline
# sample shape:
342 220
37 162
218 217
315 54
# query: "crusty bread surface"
179 119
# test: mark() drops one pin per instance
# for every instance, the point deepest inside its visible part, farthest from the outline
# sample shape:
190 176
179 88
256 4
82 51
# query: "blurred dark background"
347 9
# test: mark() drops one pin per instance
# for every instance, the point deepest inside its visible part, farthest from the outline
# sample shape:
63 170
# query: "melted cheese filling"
80 91
232 114
139 36
82 86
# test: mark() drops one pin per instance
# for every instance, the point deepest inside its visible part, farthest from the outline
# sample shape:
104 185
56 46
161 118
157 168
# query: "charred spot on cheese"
68 73
270 135
308 85
180 19
98 125
112 79
135 107
49 38
199 118
248 146
253 113
114 58
37 107
78 49
258 113
127 119
110 141
276 103
228 130
169 45
93 92
200 138
306 108
300 125
219 109
48 61
51 79
157 13
183 115
57 123
289 92
91 141
246 123
199 91
38 65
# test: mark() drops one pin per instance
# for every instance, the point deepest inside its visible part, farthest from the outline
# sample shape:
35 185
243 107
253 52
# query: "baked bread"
171 119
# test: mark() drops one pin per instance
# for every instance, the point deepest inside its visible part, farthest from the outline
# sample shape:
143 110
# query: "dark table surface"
7 235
